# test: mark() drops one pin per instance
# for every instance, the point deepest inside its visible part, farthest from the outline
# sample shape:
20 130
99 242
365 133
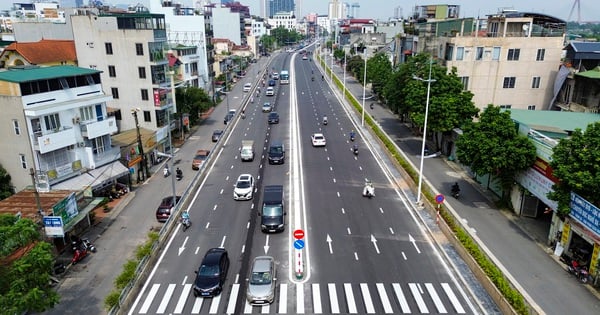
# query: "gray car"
261 285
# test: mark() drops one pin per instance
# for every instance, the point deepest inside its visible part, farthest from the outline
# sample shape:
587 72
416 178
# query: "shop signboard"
585 213
539 185
53 226
594 258
66 208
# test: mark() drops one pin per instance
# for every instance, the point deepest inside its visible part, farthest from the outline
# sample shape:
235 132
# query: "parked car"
244 187
273 118
199 158
217 135
261 283
266 107
166 207
318 140
212 273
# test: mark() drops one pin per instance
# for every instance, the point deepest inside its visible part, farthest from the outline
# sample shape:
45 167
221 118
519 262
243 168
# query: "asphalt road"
362 255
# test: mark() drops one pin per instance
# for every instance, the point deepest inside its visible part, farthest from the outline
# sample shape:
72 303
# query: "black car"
165 208
276 153
228 117
217 135
272 82
212 273
273 118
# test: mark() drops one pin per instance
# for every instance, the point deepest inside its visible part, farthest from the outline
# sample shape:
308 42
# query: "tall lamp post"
171 151
344 94
364 88
429 80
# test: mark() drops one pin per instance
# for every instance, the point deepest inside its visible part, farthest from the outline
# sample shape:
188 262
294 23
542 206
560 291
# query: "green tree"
193 101
493 146
575 162
379 71
6 187
268 42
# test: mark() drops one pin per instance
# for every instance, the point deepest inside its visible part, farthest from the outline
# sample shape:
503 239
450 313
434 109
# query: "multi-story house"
57 125
45 52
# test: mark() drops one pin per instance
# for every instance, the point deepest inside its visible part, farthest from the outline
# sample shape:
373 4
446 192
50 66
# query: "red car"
166 207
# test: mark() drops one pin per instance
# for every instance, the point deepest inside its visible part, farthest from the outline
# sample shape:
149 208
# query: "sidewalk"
518 243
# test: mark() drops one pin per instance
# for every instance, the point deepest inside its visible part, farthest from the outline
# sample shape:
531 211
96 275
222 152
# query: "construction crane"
575 3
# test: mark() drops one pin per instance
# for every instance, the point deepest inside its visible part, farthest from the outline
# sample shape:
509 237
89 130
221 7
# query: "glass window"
112 72
531 107
142 72
16 127
540 54
496 53
513 54
147 117
86 113
505 106
465 82
115 92
509 82
52 121
23 161
139 49
460 53
144 94
535 83
108 47
479 54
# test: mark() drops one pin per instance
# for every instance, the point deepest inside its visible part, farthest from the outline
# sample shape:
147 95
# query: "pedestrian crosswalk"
310 298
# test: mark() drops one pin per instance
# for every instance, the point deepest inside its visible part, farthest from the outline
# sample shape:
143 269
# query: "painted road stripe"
387 306
265 309
247 308
350 298
149 298
414 289
182 298
436 298
333 300
364 288
401 298
283 298
235 290
453 299
197 305
214 305
300 298
165 301
316 292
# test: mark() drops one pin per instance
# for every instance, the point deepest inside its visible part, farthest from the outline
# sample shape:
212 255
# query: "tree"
493 146
193 101
379 70
575 164
6 187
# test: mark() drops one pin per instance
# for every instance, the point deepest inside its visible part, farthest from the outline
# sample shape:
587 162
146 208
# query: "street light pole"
364 88
344 94
429 80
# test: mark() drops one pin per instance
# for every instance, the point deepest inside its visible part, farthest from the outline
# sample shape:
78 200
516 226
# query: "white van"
247 87
270 91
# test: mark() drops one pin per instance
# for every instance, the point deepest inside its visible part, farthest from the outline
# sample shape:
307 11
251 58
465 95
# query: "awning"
94 178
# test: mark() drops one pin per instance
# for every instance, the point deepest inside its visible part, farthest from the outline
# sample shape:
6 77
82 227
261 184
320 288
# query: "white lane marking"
391 230
355 256
247 308
214 306
235 289
283 298
182 298
387 306
338 194
350 298
197 305
316 293
401 298
364 289
436 299
404 255
149 298
453 299
300 298
165 300
414 289
265 309
333 299
343 211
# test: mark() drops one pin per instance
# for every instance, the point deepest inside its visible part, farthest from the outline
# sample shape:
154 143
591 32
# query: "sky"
384 9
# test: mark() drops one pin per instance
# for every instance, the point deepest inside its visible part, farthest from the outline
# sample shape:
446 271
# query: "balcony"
100 128
54 140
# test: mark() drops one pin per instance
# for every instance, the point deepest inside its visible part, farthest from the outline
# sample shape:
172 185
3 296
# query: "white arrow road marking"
266 244
412 240
329 243
374 241
182 248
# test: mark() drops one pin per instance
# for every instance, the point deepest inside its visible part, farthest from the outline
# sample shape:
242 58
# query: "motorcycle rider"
179 173
455 189
166 171
355 149
244 113
352 135
185 218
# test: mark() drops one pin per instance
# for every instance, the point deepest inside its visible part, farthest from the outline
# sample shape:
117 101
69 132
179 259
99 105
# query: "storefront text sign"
585 213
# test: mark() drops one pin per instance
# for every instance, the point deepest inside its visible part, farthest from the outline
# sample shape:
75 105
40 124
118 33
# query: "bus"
284 77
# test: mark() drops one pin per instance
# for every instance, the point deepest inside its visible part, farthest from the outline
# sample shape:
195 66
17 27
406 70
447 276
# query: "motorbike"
324 120
371 106
352 136
186 223
88 245
354 149
80 252
312 78
580 272
179 174
166 172
369 189
455 192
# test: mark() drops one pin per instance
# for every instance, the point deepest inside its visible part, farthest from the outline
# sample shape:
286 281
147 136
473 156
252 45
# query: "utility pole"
144 167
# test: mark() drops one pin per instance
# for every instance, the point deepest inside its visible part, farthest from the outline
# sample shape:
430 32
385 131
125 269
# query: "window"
16 127
505 106
513 54
479 54
465 82
496 53
509 82
147 117
23 161
535 83
139 49
108 47
530 107
460 53
144 94
86 113
52 121
115 92
112 72
540 54
142 72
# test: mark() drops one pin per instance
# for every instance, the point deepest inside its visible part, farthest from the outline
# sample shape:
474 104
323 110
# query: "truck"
272 213
247 150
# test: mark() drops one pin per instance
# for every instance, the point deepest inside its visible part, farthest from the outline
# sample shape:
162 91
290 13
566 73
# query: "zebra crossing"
310 298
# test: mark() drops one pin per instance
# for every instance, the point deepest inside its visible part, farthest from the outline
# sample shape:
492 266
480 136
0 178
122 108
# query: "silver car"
261 285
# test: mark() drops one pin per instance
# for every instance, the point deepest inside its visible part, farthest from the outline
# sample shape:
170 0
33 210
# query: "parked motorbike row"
575 268
114 192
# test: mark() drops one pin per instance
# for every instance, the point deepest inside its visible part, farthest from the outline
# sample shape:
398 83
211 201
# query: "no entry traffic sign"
299 234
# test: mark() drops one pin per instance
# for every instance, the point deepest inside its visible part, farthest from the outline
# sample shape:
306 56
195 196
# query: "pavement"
517 244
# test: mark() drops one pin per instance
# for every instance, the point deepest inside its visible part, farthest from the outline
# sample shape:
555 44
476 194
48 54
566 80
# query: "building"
228 24
45 52
276 6
286 20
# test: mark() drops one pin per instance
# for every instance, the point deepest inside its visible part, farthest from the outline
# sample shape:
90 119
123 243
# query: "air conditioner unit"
81 144
76 120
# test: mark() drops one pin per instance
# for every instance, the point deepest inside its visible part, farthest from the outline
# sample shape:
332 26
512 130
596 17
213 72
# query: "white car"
244 187
318 140
270 91
247 87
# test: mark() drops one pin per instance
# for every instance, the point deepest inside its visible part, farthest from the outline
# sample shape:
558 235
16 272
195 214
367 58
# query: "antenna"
575 3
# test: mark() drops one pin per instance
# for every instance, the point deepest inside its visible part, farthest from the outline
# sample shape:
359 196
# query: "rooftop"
554 121
25 202
28 74
44 51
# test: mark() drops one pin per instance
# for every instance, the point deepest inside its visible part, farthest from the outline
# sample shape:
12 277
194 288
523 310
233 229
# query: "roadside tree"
379 70
6 187
193 101
493 146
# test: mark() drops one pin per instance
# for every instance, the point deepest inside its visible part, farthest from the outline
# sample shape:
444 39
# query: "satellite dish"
525 27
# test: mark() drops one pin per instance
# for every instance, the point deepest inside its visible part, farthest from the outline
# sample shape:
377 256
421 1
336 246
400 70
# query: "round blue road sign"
439 198
299 244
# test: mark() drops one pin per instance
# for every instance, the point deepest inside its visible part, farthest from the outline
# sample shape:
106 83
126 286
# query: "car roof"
318 134
248 84
218 131
245 177
262 264
213 256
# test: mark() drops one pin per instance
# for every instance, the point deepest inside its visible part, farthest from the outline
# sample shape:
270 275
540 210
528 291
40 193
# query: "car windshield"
272 211
209 271
243 184
276 150
260 278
